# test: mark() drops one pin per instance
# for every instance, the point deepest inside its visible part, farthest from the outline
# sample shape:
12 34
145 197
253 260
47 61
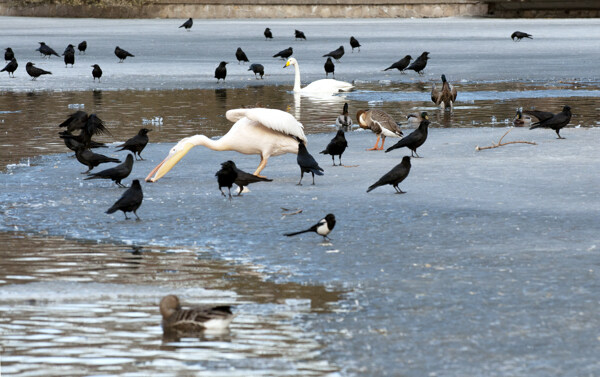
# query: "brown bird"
381 123
445 97
193 320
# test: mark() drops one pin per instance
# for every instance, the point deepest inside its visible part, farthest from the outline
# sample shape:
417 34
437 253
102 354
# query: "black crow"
241 55
284 54
343 121
268 34
415 139
76 142
69 48
540 115
419 64
445 97
91 159
35 72
221 71
116 173
307 163
394 176
557 121
336 147
96 72
243 179
69 58
90 124
82 47
322 228
518 35
299 35
11 67
329 68
336 54
226 177
401 64
122 54
8 54
188 24
137 143
46 50
354 44
130 201
257 69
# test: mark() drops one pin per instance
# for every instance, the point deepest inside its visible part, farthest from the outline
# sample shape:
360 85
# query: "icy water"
187 112
487 266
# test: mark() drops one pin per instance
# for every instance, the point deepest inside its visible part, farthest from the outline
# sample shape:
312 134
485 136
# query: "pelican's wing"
274 119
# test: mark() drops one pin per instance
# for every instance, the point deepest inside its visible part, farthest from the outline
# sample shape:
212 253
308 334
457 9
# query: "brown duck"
445 97
381 123
193 320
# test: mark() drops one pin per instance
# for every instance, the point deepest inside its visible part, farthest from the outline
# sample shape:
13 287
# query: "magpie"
322 228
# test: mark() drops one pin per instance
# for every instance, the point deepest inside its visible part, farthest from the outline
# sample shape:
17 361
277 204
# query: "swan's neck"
297 78
215 145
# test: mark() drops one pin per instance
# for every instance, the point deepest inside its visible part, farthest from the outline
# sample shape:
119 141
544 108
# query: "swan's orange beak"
167 164
287 64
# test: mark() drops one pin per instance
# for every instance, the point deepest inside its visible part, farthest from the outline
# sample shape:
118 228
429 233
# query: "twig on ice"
500 143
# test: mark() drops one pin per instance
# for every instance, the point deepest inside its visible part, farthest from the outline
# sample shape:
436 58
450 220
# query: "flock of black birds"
90 125
82 144
418 65
68 56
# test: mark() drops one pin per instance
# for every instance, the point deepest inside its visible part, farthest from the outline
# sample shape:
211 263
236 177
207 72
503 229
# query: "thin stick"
501 144
287 213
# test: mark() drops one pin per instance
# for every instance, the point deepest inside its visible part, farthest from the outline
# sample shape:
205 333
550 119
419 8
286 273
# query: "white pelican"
324 86
379 122
266 132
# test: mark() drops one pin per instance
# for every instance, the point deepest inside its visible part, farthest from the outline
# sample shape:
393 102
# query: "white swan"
324 86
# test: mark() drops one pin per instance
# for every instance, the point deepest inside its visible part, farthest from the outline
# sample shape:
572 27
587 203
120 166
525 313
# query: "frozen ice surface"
169 58
485 267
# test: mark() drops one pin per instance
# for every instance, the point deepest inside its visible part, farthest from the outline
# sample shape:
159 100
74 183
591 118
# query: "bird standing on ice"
265 132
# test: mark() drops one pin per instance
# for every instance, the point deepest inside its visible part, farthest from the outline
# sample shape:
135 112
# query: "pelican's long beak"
167 164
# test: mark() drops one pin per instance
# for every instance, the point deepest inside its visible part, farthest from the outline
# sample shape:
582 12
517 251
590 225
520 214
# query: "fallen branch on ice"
500 143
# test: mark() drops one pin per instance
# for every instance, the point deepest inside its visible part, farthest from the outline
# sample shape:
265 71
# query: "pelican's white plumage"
266 132
323 86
